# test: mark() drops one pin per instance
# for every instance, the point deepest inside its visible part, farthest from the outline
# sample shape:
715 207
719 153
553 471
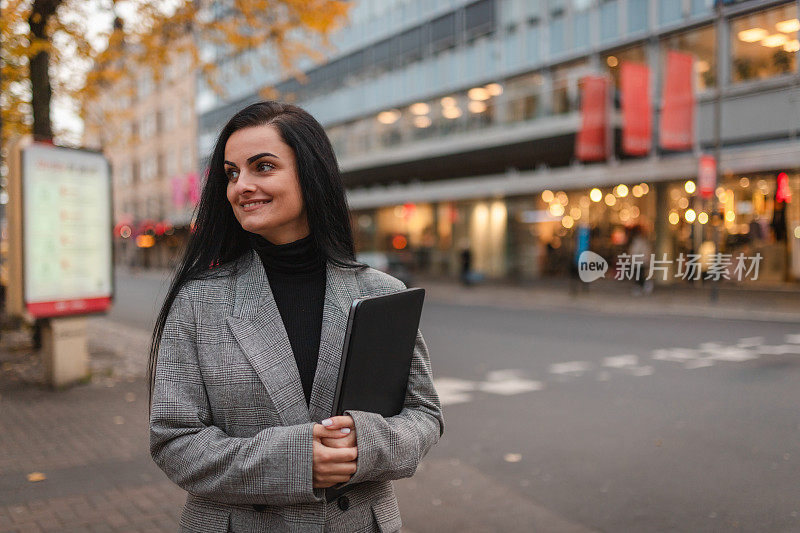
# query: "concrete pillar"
64 351
663 238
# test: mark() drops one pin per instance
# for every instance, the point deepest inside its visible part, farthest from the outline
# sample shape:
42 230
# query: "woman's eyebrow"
254 158
259 156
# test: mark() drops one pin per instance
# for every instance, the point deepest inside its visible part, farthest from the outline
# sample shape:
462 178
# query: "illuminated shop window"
765 44
701 43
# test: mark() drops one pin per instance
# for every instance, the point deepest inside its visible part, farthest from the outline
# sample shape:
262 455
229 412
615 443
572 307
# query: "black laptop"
376 358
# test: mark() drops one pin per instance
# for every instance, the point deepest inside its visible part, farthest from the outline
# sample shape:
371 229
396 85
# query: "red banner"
590 144
677 115
636 113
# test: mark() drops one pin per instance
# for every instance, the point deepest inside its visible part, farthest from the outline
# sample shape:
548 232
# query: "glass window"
186 159
125 171
171 165
169 118
700 7
443 32
701 43
144 85
409 45
566 80
669 11
557 40
148 125
609 21
523 95
148 169
581 32
161 167
556 6
479 18
511 12
638 15
512 46
764 44
532 9
533 45
614 60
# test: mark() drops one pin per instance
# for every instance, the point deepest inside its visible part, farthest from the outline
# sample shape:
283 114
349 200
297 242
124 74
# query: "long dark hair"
218 239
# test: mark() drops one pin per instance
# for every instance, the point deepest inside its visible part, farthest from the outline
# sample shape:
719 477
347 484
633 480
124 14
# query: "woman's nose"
244 183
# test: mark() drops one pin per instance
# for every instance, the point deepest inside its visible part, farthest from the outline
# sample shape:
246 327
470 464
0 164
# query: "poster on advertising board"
66 223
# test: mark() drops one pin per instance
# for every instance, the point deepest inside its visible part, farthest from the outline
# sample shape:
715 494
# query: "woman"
246 349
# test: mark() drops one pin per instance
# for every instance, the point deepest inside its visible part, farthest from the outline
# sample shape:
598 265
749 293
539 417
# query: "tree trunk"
41 92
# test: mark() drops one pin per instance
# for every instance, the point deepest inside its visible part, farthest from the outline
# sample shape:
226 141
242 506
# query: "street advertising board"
66 231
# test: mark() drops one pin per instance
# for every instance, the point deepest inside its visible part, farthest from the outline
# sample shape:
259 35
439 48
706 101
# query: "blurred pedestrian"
641 251
582 239
467 276
244 359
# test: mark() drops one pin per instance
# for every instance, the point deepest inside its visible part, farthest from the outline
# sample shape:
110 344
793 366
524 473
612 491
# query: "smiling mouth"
252 206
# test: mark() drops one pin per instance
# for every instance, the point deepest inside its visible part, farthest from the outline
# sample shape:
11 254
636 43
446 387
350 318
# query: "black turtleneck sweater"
296 273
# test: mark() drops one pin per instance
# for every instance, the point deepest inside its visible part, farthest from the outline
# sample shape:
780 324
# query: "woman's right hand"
332 465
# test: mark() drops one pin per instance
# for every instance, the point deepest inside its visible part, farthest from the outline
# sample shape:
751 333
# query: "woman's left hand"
348 438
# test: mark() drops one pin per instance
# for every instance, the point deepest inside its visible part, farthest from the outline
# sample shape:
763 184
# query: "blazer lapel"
256 323
341 288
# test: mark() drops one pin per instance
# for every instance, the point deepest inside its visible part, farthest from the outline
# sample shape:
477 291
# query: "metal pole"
717 139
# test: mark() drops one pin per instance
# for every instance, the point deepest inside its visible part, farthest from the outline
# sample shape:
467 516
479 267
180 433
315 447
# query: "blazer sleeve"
273 467
391 448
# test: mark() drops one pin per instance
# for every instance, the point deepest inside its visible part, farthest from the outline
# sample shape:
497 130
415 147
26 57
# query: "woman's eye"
232 174
264 167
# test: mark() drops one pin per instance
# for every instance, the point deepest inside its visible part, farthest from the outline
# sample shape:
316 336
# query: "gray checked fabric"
229 420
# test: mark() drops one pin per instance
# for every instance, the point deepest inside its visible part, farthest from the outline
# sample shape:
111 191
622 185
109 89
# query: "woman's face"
263 187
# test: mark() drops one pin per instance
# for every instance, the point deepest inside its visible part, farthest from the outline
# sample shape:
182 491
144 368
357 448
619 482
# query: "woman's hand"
335 452
347 427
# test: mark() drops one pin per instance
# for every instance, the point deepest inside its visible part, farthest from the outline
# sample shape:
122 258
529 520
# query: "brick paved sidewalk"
89 441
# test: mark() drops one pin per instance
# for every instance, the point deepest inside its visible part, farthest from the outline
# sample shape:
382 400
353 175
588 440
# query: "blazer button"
259 507
343 502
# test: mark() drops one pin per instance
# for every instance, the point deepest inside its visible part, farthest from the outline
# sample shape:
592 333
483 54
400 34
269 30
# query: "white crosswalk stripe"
509 382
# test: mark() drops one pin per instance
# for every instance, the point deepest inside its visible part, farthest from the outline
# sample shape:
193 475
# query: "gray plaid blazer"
229 421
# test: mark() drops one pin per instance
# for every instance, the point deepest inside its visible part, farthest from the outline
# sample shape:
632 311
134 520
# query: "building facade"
455 126
147 128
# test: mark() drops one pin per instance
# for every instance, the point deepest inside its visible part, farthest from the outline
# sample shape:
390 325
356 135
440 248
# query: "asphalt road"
560 420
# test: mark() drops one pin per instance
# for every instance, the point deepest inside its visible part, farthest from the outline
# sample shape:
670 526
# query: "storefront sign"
66 228
677 115
636 127
591 139
707 176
